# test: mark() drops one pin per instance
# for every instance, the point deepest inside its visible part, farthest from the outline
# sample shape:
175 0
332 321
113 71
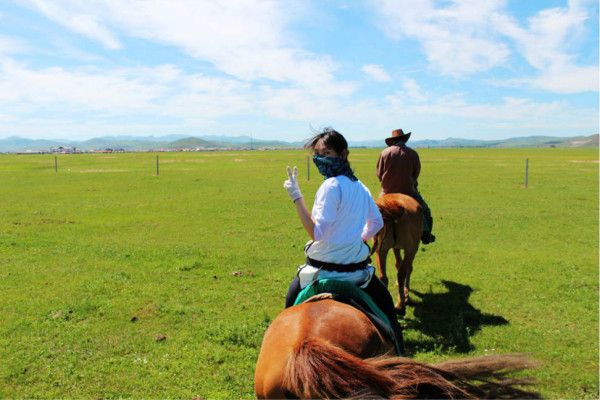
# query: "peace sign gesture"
291 184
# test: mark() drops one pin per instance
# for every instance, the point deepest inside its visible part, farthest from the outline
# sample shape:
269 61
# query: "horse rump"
391 206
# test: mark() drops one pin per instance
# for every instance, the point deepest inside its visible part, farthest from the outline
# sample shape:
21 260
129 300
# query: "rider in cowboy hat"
398 168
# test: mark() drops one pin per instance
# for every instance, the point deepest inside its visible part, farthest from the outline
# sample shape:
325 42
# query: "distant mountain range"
16 144
528 141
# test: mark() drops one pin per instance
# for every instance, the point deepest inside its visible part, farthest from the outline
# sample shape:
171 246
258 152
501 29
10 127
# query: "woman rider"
344 216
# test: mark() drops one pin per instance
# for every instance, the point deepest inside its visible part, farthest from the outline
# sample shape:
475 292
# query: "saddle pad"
349 293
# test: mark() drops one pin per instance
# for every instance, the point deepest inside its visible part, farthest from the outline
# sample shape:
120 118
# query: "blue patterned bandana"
333 166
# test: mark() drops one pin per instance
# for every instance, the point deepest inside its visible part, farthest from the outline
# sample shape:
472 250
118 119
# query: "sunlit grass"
116 282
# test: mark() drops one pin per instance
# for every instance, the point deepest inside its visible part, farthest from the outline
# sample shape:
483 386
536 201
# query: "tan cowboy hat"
397 134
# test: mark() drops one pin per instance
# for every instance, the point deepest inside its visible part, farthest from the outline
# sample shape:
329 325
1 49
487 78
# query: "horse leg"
401 277
399 261
409 257
381 260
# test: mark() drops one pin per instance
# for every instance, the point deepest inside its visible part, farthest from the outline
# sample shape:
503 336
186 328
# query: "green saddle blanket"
360 299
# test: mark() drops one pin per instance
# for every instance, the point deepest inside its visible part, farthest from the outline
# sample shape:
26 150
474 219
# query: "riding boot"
380 295
292 293
427 236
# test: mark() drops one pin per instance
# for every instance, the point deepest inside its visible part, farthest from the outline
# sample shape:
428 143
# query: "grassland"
115 282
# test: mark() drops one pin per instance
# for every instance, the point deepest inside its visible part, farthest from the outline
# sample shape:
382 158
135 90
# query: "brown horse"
327 349
402 230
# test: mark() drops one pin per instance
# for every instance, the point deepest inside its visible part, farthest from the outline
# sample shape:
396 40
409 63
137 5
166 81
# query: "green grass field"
99 260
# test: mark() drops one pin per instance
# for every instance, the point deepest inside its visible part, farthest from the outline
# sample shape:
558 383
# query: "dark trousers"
427 219
378 293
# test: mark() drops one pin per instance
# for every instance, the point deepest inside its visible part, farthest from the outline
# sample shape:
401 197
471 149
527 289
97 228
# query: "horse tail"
318 369
492 374
391 214
391 210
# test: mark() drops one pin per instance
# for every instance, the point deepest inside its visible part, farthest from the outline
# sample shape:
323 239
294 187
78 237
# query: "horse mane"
318 369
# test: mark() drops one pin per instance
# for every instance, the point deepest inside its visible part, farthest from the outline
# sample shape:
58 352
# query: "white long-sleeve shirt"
345 214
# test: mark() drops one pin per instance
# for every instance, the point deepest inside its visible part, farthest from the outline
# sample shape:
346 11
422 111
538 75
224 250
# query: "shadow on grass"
447 319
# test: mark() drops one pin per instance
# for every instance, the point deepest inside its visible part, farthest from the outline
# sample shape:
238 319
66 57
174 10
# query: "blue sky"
475 69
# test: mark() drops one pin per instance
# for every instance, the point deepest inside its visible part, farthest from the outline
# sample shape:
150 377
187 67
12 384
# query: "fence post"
307 168
157 165
526 172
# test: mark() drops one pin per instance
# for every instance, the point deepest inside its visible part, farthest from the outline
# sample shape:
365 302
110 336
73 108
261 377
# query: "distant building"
63 150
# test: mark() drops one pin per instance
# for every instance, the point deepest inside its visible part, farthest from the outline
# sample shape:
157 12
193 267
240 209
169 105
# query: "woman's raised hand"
291 184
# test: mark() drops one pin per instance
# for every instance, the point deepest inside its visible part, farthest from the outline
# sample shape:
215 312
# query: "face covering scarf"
333 166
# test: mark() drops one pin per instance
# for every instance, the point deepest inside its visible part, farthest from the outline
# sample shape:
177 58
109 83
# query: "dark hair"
331 138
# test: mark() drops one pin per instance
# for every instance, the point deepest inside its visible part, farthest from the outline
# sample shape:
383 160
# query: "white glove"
291 184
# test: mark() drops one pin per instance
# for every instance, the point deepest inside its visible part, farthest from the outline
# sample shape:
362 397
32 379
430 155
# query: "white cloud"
568 79
562 79
63 97
92 102
470 36
76 17
11 45
546 40
549 44
517 115
457 40
376 72
413 91
88 90
244 38
104 95
272 79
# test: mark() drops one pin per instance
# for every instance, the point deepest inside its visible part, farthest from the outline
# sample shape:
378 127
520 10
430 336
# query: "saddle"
349 293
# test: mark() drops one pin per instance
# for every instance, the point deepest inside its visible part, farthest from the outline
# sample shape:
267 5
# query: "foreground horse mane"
318 369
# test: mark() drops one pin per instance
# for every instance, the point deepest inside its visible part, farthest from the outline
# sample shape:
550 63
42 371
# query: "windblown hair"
331 138
318 369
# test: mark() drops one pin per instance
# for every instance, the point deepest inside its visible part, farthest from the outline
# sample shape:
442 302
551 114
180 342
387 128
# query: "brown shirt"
398 168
